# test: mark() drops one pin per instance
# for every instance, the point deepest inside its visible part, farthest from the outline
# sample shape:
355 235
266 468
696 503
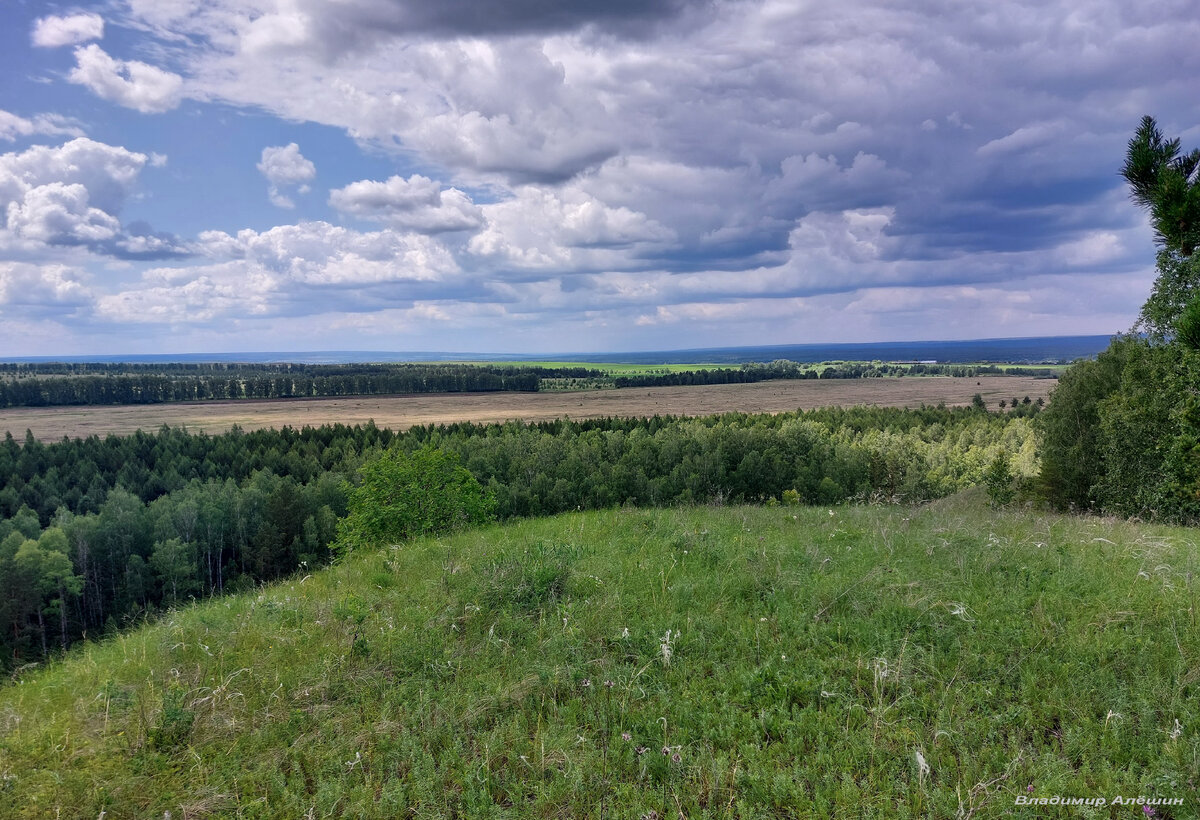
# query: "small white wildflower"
922 767
665 647
1177 731
960 610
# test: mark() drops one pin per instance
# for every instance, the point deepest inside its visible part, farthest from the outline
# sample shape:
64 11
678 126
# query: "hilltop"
864 661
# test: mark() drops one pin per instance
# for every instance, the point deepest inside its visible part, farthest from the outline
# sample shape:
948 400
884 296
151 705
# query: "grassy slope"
813 655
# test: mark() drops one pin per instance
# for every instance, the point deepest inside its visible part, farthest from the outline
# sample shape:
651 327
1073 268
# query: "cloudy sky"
522 176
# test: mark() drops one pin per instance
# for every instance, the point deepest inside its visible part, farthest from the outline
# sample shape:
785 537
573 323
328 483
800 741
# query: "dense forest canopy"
97 532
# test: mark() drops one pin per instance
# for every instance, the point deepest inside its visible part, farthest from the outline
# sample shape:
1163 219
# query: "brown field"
402 412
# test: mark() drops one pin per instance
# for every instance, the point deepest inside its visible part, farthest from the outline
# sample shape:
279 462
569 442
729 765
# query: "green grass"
795 660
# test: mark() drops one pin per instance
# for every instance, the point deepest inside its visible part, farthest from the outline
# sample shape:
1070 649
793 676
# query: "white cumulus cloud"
59 214
543 228
13 127
24 285
107 171
129 83
321 253
290 270
52 31
417 203
72 194
284 166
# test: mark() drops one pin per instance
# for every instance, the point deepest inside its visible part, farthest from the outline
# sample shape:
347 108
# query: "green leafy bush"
174 724
405 495
999 482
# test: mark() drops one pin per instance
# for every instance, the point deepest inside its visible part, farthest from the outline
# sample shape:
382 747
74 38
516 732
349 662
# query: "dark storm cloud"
349 23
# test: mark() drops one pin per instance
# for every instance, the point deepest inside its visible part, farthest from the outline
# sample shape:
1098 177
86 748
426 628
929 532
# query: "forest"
99 533
43 385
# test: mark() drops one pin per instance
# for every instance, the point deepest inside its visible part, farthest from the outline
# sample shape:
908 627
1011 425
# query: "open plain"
401 412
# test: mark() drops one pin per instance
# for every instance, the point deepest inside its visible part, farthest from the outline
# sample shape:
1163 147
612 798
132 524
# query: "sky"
185 176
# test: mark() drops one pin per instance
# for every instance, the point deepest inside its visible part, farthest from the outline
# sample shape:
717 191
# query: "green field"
891 662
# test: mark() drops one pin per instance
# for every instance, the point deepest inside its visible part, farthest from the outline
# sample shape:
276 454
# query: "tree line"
784 369
89 383
96 533
74 384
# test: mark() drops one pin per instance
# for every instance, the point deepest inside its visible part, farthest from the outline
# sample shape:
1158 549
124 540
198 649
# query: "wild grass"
703 662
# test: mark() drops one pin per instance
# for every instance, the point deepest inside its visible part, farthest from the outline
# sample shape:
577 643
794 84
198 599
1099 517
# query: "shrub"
999 482
406 495
174 724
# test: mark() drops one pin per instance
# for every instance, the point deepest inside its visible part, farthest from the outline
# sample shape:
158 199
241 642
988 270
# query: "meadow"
940 660
50 424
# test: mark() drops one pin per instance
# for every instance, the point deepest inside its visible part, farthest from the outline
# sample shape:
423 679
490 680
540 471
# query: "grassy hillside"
707 662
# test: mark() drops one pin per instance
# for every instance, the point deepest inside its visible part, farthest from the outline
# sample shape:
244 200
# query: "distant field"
402 412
